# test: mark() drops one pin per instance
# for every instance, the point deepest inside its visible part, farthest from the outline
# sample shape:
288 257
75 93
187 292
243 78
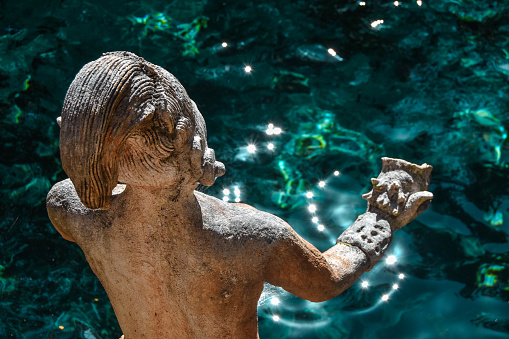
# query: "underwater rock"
472 10
485 132
291 82
492 322
493 279
85 331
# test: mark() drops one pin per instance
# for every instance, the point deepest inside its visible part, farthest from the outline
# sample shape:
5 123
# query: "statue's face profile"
209 167
161 157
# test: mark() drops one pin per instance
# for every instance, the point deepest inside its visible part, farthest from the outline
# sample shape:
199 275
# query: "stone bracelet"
370 235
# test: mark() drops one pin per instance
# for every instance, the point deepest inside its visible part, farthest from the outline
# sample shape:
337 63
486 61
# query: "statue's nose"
219 169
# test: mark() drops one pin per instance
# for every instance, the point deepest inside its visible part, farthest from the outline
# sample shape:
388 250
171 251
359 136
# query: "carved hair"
110 99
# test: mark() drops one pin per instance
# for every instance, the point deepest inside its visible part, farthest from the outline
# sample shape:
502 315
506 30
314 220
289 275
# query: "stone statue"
177 263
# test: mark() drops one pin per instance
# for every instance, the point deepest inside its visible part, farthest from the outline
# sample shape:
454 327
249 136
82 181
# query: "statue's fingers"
423 196
417 199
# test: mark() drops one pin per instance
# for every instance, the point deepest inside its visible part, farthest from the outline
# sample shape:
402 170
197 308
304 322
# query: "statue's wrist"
395 222
371 234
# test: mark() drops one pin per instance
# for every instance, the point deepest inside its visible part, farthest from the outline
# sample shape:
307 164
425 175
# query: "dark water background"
429 84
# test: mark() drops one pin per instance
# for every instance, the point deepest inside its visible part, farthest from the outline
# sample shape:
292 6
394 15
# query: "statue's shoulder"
63 198
241 218
66 211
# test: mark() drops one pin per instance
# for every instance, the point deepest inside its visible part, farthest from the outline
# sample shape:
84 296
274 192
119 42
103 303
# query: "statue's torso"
201 279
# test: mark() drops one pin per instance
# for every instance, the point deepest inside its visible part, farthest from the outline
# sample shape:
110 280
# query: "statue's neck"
146 199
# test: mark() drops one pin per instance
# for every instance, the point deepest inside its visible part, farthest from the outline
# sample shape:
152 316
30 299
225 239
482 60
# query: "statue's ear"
59 121
183 131
148 111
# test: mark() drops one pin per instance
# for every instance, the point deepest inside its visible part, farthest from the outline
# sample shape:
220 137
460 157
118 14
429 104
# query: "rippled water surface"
294 93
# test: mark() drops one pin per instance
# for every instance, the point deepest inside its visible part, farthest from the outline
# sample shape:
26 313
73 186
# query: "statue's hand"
416 204
400 193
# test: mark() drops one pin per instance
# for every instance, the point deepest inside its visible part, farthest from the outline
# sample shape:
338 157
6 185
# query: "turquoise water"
347 83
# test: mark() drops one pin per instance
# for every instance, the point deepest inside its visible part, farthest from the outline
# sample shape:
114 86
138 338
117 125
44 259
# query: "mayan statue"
177 263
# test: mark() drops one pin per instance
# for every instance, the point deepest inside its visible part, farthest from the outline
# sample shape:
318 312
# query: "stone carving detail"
399 195
371 236
177 263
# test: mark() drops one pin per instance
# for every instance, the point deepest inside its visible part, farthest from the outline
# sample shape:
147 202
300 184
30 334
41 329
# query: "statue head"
125 119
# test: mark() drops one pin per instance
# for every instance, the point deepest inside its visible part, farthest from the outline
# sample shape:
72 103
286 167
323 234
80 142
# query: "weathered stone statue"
177 263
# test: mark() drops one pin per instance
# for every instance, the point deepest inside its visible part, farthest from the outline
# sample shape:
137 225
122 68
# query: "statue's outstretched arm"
399 195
